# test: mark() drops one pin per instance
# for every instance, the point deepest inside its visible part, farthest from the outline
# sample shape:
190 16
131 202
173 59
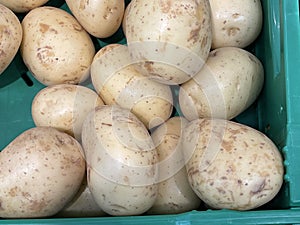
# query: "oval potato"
21 6
121 159
101 18
227 85
11 34
118 82
55 47
40 172
168 41
64 107
231 165
235 24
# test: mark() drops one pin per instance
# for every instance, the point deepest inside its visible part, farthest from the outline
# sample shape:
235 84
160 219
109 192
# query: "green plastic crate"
276 113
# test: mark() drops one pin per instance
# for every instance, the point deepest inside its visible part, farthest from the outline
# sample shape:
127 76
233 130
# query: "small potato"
235 23
230 165
122 161
11 34
55 47
21 6
101 18
118 82
82 205
40 172
174 192
168 41
64 106
228 84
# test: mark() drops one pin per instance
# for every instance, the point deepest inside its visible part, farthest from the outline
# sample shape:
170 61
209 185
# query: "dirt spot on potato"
165 6
194 35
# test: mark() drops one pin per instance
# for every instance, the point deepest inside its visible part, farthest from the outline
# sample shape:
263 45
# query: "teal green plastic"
276 113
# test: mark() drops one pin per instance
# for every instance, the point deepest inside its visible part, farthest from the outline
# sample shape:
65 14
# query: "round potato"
230 165
64 107
175 195
118 82
101 18
21 6
122 161
235 24
40 172
55 47
169 41
229 83
11 34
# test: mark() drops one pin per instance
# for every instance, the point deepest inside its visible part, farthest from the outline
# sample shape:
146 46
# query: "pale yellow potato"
11 34
122 161
118 82
227 85
55 47
101 18
235 23
41 171
230 165
64 106
169 41
22 6
175 194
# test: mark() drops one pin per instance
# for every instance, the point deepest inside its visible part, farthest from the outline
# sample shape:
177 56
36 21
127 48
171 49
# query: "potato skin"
11 34
21 6
40 172
230 165
101 18
55 47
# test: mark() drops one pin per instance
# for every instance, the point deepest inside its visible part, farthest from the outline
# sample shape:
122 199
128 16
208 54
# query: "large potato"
21 6
40 172
101 18
230 165
55 47
64 107
118 82
175 194
121 158
235 23
11 34
229 83
168 40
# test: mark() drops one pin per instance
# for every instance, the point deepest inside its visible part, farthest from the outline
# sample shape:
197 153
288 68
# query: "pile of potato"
128 144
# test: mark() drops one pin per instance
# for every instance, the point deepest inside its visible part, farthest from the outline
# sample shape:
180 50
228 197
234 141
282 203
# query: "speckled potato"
40 172
11 34
175 194
234 23
229 83
230 165
55 47
169 41
64 106
82 205
22 6
118 82
121 158
101 18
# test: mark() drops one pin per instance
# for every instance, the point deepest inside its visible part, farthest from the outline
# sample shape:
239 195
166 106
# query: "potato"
21 6
11 34
235 24
40 172
168 41
118 82
231 165
227 85
82 205
174 192
101 18
121 161
55 47
64 106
